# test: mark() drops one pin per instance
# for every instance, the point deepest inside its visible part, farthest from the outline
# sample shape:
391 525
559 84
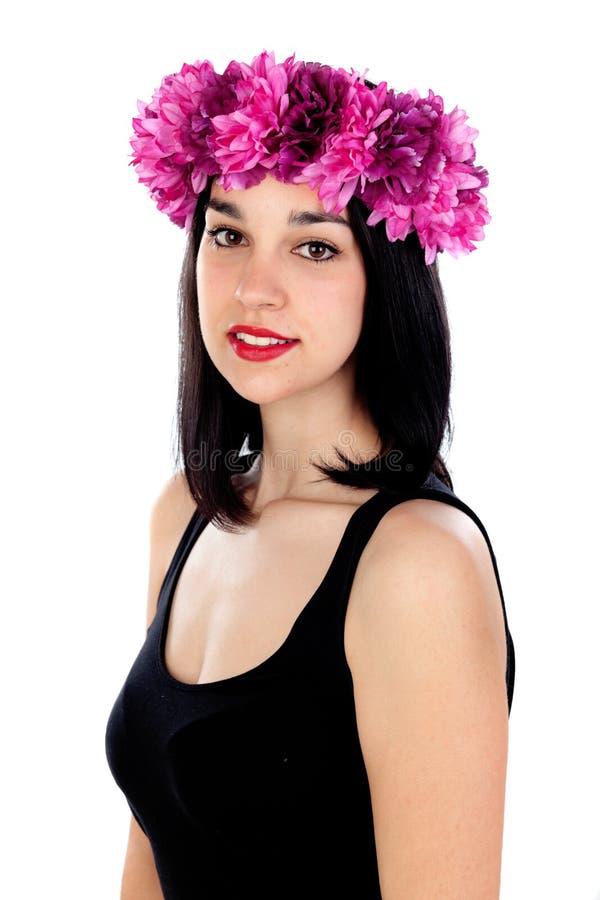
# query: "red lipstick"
258 354
258 332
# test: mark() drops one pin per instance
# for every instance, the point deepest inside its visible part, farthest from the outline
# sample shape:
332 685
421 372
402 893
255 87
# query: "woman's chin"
264 393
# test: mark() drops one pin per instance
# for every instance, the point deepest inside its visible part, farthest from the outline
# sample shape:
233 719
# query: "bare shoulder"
170 514
422 521
426 647
433 550
172 507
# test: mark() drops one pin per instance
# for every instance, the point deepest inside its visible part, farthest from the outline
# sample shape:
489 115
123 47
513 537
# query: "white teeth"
259 341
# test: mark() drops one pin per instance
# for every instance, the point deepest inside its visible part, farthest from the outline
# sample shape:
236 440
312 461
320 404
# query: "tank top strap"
360 530
193 528
368 516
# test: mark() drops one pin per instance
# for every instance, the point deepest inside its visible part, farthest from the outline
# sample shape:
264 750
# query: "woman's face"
275 262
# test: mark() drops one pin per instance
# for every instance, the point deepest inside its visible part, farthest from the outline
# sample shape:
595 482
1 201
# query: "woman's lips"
258 331
259 354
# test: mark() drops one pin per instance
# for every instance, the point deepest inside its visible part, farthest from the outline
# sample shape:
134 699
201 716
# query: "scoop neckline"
188 540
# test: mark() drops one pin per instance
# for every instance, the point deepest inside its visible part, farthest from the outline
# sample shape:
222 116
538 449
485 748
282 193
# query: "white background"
89 355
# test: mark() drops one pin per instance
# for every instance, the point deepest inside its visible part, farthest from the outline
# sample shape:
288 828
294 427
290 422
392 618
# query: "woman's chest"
238 595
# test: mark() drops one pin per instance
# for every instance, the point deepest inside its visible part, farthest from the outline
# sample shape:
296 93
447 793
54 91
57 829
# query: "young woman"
320 707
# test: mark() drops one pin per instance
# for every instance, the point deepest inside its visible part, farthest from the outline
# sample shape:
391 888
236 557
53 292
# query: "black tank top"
254 786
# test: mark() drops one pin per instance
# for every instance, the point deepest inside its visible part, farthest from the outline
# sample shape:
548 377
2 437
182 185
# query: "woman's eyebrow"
305 217
313 218
228 209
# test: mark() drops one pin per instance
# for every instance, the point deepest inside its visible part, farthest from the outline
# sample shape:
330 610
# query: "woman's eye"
224 237
318 251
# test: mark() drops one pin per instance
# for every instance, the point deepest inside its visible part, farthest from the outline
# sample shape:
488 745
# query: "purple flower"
316 96
408 143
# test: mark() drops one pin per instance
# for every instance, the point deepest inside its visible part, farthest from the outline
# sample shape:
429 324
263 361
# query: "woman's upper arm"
169 517
428 665
140 878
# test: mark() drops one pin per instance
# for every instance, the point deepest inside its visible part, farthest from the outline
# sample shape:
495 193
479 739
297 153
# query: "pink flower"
246 141
348 148
398 216
455 216
457 137
433 190
171 154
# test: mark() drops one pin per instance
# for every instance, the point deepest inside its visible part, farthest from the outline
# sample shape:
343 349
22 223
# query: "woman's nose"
260 282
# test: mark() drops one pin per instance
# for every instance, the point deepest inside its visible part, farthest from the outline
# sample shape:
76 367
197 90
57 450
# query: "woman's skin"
424 634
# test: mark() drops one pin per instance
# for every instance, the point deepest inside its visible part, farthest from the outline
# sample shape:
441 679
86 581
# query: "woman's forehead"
271 194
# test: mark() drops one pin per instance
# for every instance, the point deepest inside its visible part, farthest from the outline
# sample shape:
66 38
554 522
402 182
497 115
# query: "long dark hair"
403 377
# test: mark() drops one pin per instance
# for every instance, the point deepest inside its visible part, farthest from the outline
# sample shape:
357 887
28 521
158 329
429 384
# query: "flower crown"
410 163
